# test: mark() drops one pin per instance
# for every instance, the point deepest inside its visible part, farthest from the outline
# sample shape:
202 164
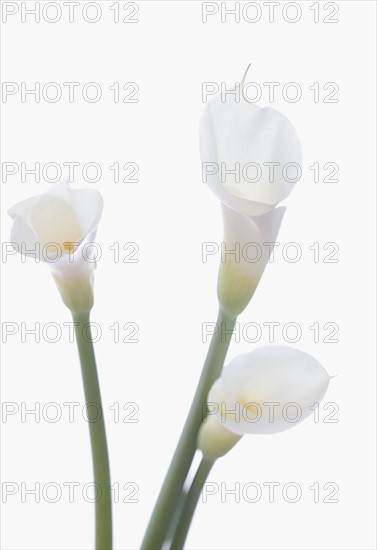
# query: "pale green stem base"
172 487
190 503
97 430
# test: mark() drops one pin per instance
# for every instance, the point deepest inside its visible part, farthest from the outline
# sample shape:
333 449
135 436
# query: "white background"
170 292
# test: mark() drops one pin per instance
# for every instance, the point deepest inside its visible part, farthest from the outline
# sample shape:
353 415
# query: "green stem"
190 504
172 487
97 430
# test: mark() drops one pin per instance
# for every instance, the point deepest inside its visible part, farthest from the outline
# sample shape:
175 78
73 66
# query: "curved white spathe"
56 228
268 390
264 144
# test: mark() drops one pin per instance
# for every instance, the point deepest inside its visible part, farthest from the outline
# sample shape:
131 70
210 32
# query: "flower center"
54 220
69 245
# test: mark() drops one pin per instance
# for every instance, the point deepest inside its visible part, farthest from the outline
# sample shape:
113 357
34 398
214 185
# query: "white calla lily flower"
57 228
251 160
268 390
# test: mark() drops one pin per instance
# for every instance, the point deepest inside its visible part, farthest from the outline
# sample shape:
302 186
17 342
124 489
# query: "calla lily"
238 138
266 391
56 227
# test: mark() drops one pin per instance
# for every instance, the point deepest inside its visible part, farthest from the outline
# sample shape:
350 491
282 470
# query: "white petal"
88 206
54 221
61 215
240 132
216 395
22 234
243 229
279 383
